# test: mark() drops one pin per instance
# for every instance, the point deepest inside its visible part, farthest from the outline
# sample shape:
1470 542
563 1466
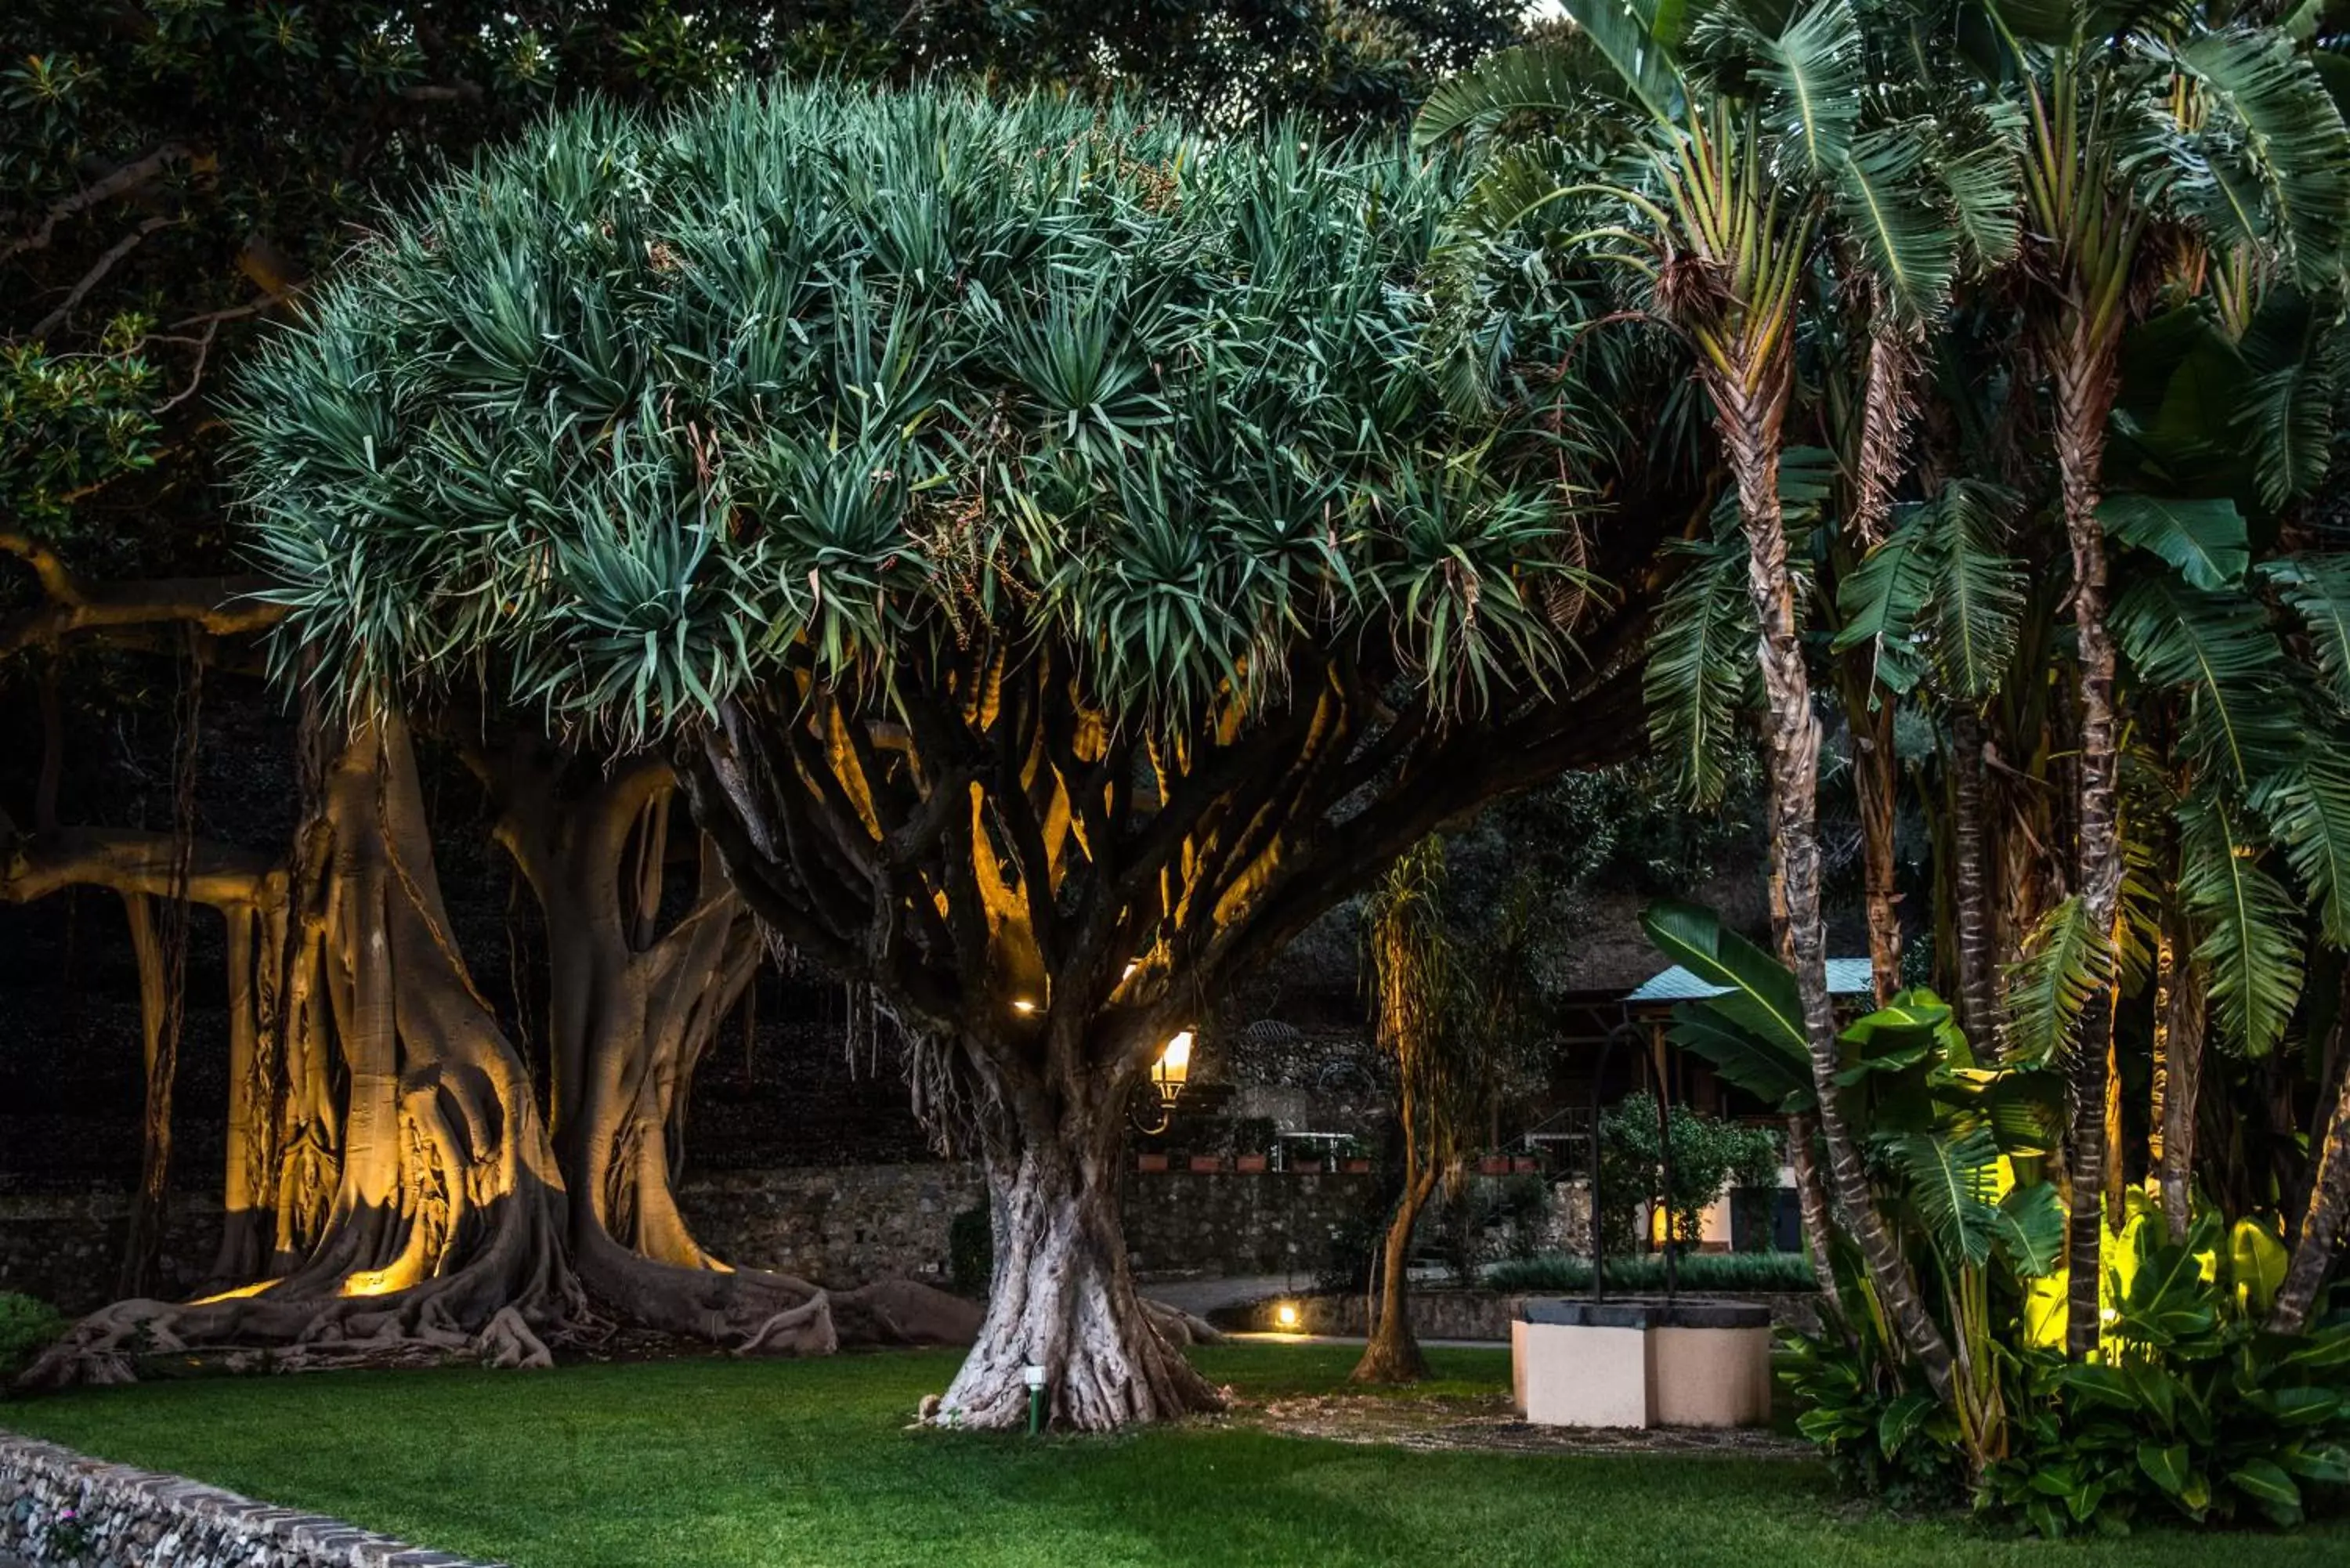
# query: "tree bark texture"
2082 365
1062 1296
2319 1235
1391 1354
1749 415
1977 937
421 1208
1877 782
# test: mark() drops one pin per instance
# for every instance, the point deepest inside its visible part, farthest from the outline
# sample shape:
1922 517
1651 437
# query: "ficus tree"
1037 537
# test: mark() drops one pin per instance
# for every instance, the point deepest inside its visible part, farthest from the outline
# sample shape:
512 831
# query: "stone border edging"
134 1517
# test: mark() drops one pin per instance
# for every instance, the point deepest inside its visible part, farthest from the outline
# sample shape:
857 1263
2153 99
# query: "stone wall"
60 1507
66 1248
1465 1314
840 1226
1241 1222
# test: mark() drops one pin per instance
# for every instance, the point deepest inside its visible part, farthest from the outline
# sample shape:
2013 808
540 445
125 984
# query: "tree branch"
130 177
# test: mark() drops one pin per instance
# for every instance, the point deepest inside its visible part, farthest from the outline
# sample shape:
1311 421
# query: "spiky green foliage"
637 416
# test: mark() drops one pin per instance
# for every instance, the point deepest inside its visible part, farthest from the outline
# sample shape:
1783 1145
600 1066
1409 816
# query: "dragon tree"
1062 558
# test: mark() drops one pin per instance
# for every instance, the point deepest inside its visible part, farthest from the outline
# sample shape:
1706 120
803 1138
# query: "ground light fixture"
1284 1317
1033 1375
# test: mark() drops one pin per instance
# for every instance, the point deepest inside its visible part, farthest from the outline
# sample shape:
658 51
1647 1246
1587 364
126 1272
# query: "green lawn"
717 1464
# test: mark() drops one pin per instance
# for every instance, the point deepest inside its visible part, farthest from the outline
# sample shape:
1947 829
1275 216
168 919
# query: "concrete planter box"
1251 1162
1358 1165
1640 1362
1207 1164
1150 1162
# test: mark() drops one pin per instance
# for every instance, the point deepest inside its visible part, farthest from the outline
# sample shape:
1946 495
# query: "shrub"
27 1327
1708 1155
1773 1272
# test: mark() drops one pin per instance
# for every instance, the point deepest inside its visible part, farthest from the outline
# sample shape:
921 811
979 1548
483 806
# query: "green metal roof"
1846 977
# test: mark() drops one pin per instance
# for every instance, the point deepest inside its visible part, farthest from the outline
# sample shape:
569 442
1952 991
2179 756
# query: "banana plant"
1957 1148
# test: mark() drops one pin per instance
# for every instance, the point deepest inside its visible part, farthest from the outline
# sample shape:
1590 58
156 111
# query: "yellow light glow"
240 1293
1175 1063
369 1283
1286 1314
1023 1005
1131 965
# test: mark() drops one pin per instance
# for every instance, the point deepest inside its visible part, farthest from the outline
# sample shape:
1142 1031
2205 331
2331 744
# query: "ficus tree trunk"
420 1205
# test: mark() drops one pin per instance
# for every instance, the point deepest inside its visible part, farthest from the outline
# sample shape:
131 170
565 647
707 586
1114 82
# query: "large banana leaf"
2066 959
2318 588
1759 995
1771 1070
1954 1181
2218 649
2030 1226
2252 945
2204 538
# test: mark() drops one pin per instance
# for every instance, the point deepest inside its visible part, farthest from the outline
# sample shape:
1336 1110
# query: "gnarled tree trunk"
1061 1294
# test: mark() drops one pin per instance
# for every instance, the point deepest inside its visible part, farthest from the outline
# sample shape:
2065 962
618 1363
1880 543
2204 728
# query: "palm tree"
1738 175
2179 122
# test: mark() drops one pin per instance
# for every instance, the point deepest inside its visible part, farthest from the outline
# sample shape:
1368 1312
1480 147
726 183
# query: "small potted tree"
1251 1136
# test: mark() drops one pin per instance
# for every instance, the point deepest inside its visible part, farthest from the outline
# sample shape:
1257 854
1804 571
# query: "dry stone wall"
841 1226
61 1509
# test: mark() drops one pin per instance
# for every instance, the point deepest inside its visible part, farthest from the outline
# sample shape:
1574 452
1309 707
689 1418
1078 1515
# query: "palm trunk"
1977 938
1750 422
2329 1191
2085 382
1874 777
1812 1202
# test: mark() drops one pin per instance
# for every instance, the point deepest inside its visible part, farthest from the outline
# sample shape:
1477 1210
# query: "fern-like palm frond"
2065 960
2252 945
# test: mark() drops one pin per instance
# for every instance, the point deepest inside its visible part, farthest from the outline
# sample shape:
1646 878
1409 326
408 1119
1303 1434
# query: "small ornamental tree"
1038 538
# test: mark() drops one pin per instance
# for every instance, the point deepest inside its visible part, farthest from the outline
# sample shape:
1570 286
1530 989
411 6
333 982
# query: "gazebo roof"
1846 977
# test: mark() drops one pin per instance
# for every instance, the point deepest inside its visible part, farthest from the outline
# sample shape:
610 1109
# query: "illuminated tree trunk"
1392 1353
2083 368
1061 1294
632 1006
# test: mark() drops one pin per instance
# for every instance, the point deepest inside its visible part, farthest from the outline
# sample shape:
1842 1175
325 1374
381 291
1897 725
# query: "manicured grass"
718 1464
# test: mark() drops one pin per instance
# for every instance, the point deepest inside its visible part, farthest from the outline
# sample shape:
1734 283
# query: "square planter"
1207 1164
1524 1163
1307 1167
1494 1165
1251 1162
1358 1165
1150 1162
